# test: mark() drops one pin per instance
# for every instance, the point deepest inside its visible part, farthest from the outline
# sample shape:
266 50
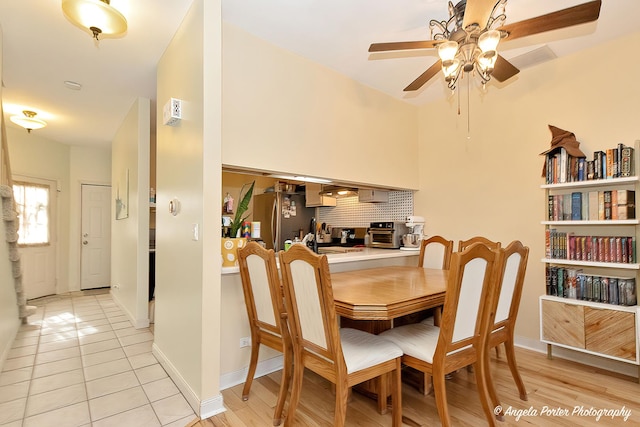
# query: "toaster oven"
386 234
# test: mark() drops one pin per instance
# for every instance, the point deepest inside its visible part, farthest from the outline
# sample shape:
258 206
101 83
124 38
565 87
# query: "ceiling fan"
467 41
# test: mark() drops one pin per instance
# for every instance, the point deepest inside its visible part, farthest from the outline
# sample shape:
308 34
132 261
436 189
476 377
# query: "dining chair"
463 244
435 252
515 266
462 338
264 300
343 356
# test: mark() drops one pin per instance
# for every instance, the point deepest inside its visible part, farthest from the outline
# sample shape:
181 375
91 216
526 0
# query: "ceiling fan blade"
503 69
478 12
384 47
424 77
575 15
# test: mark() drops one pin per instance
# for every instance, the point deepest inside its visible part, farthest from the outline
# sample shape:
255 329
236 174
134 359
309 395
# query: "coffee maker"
411 241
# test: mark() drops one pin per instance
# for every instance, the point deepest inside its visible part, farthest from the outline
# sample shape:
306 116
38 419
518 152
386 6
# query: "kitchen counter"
366 254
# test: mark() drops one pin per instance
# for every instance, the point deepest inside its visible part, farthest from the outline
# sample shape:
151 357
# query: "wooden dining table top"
388 292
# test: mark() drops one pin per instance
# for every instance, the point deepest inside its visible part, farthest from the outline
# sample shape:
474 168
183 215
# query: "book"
598 160
593 205
626 208
581 169
607 204
609 170
576 206
626 162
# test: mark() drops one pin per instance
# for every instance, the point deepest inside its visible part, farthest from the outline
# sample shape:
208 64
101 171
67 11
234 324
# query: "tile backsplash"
351 213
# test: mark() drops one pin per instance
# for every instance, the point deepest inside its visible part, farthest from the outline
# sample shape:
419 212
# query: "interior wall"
486 181
307 119
88 165
130 236
188 170
9 321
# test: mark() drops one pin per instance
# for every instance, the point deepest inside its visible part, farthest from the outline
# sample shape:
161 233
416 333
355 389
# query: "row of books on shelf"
567 246
592 206
612 163
574 284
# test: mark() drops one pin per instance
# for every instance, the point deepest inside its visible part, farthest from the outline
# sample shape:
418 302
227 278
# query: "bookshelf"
591 263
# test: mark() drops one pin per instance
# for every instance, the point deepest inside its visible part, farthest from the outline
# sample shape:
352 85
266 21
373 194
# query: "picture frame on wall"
122 197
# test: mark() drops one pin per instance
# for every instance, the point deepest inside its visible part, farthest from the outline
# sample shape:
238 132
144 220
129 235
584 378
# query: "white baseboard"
578 357
264 367
205 408
137 323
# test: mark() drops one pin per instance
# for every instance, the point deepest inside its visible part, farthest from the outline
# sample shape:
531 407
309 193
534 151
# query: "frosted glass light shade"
488 41
447 50
28 121
98 16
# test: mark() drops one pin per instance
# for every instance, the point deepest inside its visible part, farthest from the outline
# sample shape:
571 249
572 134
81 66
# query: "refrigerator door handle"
274 226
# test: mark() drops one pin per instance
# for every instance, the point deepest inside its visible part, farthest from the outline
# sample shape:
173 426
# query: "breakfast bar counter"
365 258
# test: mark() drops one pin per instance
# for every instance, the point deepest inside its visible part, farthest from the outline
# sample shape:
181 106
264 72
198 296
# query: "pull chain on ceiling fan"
467 42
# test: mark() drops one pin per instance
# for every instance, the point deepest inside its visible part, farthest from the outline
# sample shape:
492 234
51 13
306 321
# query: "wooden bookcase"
597 328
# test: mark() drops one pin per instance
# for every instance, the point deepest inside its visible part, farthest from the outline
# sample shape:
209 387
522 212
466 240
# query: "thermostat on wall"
172 113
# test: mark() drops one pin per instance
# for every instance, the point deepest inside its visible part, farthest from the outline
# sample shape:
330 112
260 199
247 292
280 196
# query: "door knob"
84 242
85 235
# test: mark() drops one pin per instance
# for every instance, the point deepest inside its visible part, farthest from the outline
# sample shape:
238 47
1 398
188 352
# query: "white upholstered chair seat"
362 350
417 340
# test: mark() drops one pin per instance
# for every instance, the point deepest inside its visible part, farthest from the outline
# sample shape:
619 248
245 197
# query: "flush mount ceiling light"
98 16
28 121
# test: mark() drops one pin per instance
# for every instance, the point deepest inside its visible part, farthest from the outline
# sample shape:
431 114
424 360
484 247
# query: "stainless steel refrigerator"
282 216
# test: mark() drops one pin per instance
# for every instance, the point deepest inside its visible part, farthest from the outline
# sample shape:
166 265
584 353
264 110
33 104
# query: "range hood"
338 191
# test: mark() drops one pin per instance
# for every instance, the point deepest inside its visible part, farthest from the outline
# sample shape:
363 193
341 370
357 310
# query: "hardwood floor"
552 385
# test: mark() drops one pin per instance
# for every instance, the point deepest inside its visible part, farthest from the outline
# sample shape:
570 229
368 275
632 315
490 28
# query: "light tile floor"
80 362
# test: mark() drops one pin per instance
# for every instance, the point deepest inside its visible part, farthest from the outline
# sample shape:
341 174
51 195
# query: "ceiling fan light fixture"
28 121
98 16
488 41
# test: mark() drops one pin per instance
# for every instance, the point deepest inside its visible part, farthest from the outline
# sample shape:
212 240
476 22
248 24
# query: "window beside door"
32 201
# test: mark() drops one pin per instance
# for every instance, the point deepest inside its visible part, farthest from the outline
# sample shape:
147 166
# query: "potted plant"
230 245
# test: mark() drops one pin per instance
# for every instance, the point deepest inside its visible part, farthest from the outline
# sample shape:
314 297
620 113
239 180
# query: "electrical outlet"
172 112
245 342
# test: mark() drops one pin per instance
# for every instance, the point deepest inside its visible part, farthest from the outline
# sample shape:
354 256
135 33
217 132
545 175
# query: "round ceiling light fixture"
97 16
28 121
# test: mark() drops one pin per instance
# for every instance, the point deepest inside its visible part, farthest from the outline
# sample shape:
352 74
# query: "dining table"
373 299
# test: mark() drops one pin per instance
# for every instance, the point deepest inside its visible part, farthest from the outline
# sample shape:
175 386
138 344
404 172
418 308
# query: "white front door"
37 241
95 263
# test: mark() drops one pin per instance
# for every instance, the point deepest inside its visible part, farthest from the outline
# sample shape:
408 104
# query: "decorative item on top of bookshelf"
565 162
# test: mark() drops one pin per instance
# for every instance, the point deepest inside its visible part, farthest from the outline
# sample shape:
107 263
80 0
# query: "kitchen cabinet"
313 197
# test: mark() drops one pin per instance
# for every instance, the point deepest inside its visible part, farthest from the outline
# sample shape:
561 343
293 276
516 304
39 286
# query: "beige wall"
130 236
285 113
187 316
9 321
490 184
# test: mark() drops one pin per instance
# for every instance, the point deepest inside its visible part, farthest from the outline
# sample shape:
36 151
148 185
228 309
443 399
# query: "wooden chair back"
515 267
463 244
469 306
262 289
309 298
435 252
